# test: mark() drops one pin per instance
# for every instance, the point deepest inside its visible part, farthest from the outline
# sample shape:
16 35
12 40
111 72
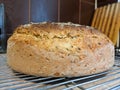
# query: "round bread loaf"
59 49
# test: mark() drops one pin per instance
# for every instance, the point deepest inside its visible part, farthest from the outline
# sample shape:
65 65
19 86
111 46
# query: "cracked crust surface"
59 49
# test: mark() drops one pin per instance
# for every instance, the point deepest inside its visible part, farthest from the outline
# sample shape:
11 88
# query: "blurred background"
16 12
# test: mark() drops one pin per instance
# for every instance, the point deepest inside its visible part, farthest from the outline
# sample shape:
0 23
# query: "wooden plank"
69 11
102 17
117 27
98 18
105 19
86 11
95 18
114 22
109 19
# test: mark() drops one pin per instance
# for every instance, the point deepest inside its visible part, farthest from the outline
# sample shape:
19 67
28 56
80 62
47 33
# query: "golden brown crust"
57 49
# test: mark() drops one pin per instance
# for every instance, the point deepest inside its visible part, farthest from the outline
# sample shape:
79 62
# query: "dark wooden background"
19 12
25 11
104 2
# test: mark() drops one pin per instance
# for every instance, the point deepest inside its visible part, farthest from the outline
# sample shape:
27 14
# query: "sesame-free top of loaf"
59 49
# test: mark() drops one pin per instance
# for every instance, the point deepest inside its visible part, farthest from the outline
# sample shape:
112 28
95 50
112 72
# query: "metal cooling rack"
11 80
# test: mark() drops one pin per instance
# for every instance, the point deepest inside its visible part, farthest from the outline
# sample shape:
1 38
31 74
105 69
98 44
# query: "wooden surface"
106 19
86 11
69 11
